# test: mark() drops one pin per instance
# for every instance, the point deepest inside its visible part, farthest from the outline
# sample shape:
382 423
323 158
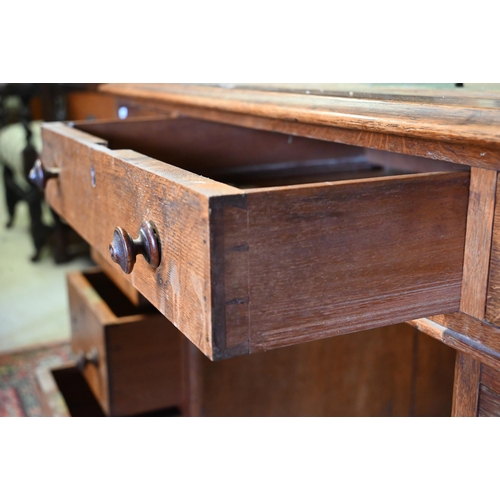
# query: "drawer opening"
119 303
81 402
247 158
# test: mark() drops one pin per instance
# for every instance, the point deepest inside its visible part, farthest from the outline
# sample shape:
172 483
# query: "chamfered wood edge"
465 334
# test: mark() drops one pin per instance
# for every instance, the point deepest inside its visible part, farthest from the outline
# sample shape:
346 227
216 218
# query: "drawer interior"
119 303
247 158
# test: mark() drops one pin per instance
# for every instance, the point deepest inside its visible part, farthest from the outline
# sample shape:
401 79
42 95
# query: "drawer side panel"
337 258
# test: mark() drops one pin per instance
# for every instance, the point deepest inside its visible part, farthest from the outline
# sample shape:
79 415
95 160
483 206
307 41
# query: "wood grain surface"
478 241
392 371
489 402
359 254
490 378
466 386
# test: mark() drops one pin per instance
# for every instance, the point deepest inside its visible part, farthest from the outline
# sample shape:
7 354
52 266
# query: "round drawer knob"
124 250
91 357
39 176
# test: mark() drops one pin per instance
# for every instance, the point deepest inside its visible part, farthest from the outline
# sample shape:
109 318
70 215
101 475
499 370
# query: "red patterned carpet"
17 377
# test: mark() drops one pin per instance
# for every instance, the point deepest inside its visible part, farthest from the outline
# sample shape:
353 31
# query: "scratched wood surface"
458 128
472 95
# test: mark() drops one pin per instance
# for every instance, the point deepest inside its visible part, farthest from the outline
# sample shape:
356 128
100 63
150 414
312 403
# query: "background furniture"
22 108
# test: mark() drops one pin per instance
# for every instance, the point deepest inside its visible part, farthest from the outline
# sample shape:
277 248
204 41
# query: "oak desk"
273 215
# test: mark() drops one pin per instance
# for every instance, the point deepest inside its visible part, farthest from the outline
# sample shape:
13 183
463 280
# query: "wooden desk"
360 208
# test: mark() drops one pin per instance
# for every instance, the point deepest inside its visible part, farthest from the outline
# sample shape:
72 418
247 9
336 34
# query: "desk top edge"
472 117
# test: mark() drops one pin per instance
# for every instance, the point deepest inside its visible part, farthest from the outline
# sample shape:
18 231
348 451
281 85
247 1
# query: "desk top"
439 112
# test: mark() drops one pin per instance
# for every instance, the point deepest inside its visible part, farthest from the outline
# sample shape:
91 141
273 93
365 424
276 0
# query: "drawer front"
134 362
248 269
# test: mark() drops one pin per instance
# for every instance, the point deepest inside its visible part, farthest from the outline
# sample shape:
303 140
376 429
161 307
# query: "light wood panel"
478 241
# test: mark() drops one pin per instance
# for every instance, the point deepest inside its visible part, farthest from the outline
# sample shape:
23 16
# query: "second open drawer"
265 239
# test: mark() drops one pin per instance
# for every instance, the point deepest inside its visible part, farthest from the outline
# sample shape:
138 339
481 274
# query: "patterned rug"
17 377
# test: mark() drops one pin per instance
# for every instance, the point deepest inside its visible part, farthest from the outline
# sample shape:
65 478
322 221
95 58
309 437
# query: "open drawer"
264 239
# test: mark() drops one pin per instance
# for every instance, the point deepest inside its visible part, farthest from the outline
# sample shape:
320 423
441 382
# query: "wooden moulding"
246 270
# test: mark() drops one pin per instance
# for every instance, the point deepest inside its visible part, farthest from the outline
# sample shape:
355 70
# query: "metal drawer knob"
124 250
83 359
39 176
